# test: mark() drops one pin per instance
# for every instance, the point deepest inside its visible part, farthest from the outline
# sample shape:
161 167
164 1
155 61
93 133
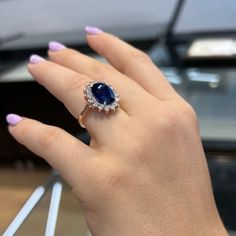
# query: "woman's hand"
144 172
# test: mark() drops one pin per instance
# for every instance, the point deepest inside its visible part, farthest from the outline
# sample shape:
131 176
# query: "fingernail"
13 119
55 46
92 30
35 59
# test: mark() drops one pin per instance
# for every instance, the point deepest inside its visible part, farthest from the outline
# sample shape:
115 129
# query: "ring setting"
99 96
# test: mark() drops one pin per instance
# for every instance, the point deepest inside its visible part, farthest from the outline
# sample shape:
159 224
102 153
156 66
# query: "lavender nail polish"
13 119
55 46
35 59
92 30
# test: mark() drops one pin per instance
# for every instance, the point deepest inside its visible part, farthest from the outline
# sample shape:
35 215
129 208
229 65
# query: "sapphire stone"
103 93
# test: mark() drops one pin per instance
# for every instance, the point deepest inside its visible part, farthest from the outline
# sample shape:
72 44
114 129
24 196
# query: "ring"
99 96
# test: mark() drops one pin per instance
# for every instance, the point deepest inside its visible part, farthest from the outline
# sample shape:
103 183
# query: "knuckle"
69 56
169 120
189 113
49 136
135 58
178 118
76 82
140 56
100 71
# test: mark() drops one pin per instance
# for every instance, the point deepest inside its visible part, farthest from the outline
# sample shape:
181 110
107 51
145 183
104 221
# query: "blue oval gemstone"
103 93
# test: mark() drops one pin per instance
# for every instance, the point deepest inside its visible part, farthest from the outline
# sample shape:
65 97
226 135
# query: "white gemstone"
107 109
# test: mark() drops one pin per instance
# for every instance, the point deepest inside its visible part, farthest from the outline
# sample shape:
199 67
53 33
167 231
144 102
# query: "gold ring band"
82 115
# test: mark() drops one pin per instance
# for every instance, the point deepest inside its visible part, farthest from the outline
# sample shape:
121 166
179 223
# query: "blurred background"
194 44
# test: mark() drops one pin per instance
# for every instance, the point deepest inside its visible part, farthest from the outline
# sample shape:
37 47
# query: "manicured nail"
35 59
92 30
55 46
13 119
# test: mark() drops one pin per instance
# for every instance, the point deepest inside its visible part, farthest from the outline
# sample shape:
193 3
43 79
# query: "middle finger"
86 65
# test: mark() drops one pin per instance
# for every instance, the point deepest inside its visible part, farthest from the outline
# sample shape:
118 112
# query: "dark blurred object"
31 100
223 175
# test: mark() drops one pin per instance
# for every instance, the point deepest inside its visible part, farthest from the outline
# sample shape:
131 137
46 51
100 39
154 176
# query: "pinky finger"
60 149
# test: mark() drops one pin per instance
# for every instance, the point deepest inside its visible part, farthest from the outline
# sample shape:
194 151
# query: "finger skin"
78 62
62 151
151 172
133 63
67 85
63 83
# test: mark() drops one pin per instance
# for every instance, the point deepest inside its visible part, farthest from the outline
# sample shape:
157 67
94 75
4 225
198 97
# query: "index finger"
61 150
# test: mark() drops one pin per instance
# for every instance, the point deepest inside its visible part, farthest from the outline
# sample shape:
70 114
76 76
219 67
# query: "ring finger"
67 86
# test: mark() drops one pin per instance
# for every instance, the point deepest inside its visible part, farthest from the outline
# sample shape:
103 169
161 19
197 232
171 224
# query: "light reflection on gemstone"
103 93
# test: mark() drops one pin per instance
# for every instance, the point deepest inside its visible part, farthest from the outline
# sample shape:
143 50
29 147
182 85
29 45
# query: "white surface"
207 15
55 16
212 47
49 16
53 209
